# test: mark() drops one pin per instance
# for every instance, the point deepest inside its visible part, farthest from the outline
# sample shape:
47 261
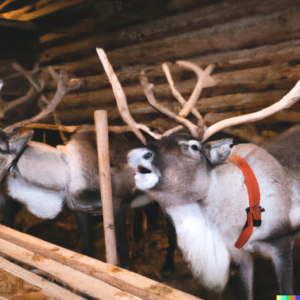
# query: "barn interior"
254 48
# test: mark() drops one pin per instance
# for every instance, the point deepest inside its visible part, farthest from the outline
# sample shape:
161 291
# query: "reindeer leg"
138 223
151 211
85 233
245 277
10 208
282 258
168 266
121 233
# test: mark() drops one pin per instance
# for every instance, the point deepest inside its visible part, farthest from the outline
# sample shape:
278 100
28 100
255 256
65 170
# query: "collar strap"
254 210
13 165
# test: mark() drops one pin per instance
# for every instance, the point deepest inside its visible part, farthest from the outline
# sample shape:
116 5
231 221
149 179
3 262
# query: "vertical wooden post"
105 186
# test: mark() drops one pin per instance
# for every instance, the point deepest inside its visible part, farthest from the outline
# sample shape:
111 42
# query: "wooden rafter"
25 13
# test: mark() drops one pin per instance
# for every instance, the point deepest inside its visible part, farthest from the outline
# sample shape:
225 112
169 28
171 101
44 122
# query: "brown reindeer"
206 192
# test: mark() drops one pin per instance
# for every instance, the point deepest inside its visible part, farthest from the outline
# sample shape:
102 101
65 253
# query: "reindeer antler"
151 99
63 86
204 79
6 106
287 101
120 96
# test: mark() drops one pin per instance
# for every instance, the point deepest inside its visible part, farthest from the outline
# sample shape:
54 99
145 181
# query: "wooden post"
105 186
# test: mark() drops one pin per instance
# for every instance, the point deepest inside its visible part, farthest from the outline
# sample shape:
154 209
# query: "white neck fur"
202 246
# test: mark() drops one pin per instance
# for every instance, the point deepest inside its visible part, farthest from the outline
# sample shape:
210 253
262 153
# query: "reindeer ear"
218 151
19 139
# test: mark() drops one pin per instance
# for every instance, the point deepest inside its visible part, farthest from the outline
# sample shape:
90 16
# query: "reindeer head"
11 146
172 168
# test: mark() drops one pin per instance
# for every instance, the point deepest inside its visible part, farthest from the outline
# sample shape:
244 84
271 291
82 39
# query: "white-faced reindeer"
45 178
205 190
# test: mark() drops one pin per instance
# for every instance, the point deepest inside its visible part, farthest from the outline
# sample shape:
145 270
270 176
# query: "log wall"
254 46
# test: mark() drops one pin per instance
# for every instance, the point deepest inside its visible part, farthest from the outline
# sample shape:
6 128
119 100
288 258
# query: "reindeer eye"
147 155
194 147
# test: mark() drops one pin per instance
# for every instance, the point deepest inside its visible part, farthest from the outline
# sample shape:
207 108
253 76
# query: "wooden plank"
75 279
105 272
49 288
14 288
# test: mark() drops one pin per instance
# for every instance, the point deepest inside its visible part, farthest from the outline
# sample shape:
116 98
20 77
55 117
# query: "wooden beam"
112 275
202 17
15 14
49 288
246 59
236 103
226 84
197 19
6 2
22 14
249 32
77 280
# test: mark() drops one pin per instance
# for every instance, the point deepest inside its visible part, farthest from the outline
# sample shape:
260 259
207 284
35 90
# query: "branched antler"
63 87
287 101
120 95
151 99
176 93
6 106
204 79
28 75
39 84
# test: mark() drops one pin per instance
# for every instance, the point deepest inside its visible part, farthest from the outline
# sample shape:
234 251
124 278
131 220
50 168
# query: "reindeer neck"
201 244
43 166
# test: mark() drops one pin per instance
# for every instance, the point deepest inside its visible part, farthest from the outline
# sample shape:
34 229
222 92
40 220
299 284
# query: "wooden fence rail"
78 273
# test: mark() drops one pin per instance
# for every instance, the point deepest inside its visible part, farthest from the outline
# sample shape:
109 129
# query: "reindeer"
45 178
205 188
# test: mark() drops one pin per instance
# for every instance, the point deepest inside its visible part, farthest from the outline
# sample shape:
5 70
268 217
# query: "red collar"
254 210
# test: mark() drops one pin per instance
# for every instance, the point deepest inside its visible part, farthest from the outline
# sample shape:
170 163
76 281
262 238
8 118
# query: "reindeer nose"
147 155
